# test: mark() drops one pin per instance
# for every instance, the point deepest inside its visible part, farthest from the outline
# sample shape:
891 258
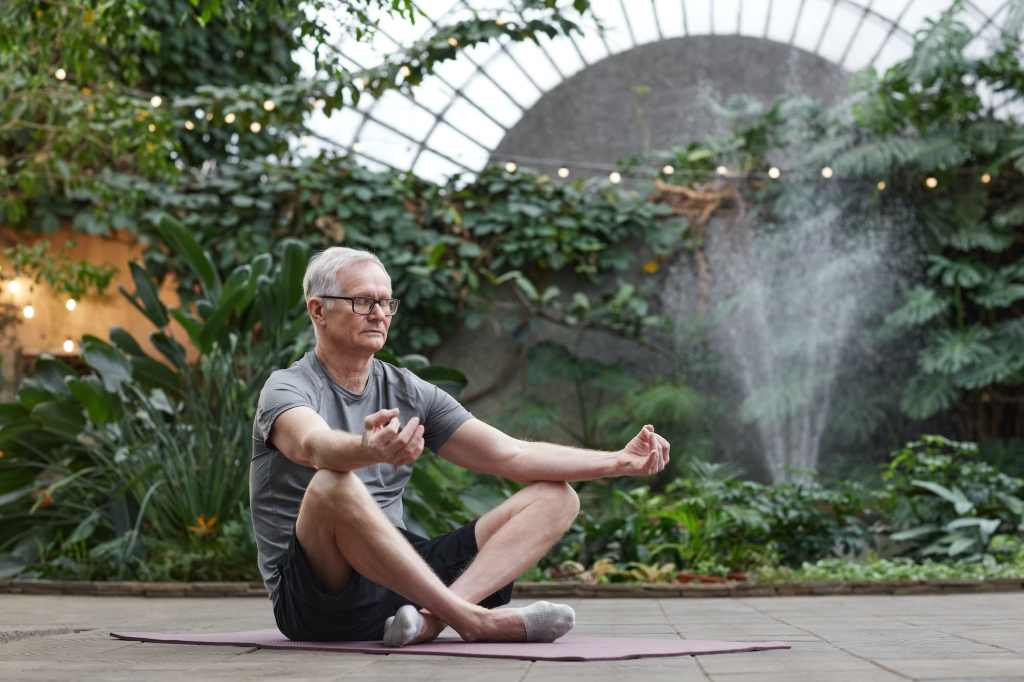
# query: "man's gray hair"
322 272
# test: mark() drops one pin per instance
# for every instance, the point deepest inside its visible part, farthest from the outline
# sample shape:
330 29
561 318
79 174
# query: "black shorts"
306 610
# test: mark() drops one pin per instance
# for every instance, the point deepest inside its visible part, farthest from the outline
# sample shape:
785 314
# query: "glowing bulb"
614 177
499 22
826 172
209 116
986 178
563 172
60 74
881 185
230 118
255 126
69 346
721 170
14 286
151 127
189 125
453 41
774 173
268 105
667 169
404 71
510 167
29 312
360 83
931 183
71 304
319 104
155 100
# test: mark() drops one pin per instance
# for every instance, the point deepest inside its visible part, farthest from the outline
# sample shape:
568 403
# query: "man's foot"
541 621
409 626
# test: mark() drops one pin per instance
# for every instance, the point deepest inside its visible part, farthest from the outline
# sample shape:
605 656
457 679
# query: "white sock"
546 621
402 628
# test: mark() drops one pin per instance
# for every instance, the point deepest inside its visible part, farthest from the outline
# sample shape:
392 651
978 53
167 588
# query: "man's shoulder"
300 373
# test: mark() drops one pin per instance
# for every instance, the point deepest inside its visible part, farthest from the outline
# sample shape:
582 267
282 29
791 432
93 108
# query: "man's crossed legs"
341 528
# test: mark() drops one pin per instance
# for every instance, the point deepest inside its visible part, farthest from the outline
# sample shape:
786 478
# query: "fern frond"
978 236
957 273
927 395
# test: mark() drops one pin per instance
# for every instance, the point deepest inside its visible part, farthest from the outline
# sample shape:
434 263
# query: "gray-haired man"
334 441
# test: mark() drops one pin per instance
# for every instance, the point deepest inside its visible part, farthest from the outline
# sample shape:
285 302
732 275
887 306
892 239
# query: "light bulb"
151 128
14 286
667 169
721 170
881 185
69 346
319 104
986 178
931 183
60 74
155 100
614 177
826 172
230 118
29 312
268 105
511 167
255 126
71 304
189 125
453 41
404 71
563 172
774 173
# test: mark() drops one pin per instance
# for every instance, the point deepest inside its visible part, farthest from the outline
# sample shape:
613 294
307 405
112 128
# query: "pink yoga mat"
568 648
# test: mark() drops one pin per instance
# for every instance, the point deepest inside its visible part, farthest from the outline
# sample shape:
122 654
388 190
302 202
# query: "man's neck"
348 371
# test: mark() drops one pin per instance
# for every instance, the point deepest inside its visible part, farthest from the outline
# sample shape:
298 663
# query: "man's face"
345 330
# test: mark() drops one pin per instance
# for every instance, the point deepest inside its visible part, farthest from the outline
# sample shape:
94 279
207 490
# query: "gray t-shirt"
277 484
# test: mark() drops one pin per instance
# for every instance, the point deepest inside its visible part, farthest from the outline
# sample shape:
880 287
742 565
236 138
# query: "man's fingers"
380 418
402 438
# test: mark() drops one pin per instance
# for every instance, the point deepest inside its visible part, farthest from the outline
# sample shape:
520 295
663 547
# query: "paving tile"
877 675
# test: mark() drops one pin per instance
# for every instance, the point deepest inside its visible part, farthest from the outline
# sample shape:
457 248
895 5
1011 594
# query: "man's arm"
304 437
482 448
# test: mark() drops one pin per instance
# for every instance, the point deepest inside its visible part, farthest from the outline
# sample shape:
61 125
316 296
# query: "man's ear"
316 309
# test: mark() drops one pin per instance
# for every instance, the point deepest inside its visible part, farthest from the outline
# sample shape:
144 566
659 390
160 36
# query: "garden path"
834 639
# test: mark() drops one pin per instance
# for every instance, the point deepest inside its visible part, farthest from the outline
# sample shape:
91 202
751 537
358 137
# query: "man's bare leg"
341 527
511 538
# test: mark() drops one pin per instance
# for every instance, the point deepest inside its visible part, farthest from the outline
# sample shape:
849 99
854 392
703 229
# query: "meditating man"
335 438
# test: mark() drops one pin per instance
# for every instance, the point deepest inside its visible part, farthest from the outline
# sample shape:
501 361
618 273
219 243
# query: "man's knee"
562 497
337 490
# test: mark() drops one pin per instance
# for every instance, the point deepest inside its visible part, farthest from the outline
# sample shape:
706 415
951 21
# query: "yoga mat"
568 648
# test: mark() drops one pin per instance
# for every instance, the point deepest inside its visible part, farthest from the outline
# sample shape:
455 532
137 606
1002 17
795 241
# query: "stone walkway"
834 639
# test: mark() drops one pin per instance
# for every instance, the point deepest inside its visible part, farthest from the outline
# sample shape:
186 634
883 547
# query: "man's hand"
645 455
389 445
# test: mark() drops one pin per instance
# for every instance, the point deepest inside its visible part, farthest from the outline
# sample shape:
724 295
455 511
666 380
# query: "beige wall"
53 323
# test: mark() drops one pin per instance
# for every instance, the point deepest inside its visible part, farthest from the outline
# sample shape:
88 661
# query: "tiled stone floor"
976 637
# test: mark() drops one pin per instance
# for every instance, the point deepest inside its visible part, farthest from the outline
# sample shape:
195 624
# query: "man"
334 441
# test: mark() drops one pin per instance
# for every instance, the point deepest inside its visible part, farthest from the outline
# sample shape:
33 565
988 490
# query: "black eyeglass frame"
388 311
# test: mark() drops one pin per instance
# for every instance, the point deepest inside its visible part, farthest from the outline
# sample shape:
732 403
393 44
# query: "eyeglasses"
362 305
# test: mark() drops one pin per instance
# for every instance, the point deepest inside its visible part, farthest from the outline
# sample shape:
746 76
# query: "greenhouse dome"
638 78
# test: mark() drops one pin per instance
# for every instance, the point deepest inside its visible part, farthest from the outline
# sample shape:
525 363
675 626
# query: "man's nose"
376 310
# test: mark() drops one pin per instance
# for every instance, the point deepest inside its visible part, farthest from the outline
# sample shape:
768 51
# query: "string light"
255 126
826 172
453 41
931 182
499 22
209 116
357 147
156 101
268 105
189 125
60 74
986 178
563 172
71 304
14 286
360 83
774 173
721 170
230 118
881 185
667 169
69 346
510 167
29 312
405 71
151 128
614 177
319 104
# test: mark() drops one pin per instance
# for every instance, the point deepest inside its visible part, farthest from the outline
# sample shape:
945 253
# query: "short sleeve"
279 394
443 414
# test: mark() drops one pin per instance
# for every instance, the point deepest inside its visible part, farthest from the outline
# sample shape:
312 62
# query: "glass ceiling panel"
485 91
